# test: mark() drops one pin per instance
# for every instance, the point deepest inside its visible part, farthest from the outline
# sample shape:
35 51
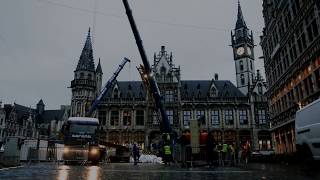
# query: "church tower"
87 81
243 45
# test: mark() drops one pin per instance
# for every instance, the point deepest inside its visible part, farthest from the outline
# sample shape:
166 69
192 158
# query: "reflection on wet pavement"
53 171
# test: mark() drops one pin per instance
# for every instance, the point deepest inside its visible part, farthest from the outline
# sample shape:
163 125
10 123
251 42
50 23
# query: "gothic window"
261 116
155 118
163 73
260 88
81 75
242 79
139 117
89 76
78 108
186 118
251 66
228 116
115 93
170 116
169 96
201 113
241 65
243 118
102 117
213 92
126 118
215 121
239 33
114 119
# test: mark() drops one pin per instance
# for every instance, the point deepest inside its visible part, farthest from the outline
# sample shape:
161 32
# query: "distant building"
2 124
51 121
291 47
20 121
234 114
29 123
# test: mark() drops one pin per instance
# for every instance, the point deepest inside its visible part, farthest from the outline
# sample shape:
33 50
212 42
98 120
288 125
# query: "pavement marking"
11 168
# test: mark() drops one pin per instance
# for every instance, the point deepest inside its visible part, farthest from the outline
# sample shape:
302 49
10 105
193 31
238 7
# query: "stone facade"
291 47
234 114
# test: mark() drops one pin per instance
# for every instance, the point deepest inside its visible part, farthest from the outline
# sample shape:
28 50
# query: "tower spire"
86 61
240 20
99 69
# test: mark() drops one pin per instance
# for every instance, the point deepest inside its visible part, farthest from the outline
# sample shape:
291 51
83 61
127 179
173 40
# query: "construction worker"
167 154
224 153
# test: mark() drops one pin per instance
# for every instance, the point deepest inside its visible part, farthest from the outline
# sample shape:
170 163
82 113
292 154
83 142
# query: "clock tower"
243 45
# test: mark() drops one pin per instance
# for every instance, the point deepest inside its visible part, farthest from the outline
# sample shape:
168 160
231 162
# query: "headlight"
94 151
66 150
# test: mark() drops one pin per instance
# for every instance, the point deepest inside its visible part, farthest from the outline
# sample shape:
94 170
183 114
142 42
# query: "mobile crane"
148 77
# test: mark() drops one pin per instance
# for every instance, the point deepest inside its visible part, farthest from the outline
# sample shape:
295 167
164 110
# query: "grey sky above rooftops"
41 41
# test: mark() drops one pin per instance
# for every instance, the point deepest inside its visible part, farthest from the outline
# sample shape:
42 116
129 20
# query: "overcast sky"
41 41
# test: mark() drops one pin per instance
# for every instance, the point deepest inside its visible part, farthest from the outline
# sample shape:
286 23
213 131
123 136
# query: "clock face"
249 50
240 50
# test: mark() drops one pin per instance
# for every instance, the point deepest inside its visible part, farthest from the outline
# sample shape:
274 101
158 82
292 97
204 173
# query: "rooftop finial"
89 32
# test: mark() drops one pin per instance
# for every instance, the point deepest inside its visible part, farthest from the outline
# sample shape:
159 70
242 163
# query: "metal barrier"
43 154
183 154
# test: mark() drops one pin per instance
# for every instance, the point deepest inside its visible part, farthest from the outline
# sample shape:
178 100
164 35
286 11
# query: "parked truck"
307 124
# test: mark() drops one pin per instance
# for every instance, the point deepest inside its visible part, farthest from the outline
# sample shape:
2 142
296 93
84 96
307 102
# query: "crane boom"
107 86
149 75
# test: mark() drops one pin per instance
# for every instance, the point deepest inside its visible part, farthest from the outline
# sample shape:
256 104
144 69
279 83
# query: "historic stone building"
291 47
87 81
28 123
233 114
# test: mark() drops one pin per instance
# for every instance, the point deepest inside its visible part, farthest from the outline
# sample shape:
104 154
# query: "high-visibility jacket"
167 150
224 147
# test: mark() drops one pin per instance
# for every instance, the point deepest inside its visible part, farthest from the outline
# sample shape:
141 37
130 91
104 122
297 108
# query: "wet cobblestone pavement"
52 171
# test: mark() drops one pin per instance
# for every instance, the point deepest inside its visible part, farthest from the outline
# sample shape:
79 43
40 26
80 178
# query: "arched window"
260 89
163 73
89 76
242 79
115 93
81 75
213 92
251 66
241 65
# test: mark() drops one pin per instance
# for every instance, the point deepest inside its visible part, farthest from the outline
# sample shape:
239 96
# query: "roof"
86 61
201 88
189 88
240 20
40 102
129 88
49 115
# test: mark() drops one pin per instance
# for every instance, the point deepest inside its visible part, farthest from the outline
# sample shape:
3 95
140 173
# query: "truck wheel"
307 154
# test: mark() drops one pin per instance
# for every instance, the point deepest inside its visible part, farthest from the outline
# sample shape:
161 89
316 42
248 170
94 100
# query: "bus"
80 135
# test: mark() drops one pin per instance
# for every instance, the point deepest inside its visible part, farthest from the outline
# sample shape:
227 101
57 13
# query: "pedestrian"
135 153
224 153
210 147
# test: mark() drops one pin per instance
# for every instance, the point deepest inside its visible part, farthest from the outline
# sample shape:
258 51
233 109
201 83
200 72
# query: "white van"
307 125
